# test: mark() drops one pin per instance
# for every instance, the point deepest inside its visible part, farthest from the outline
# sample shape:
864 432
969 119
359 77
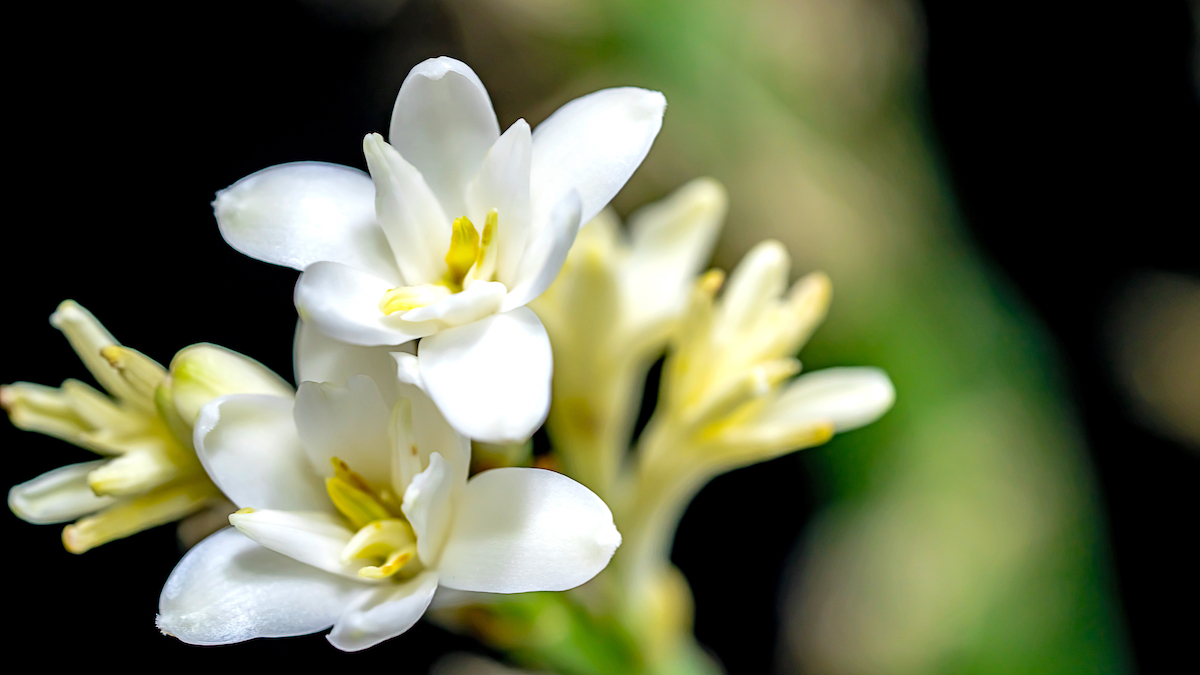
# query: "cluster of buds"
142 427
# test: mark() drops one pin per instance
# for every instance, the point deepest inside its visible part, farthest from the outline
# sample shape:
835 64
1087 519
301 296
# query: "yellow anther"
395 561
489 230
244 511
485 259
342 470
405 298
389 542
711 281
464 248
354 497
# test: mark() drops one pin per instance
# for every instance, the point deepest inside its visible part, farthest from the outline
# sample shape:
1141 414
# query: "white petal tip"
437 67
372 143
648 105
609 540
67 311
707 192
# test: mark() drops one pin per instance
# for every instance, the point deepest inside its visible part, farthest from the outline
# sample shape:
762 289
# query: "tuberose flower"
356 508
142 428
457 227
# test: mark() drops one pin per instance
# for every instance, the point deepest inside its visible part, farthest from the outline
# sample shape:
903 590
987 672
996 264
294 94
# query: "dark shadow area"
1071 137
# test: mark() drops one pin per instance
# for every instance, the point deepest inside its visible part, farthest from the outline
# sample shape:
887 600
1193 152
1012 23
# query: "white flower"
399 255
142 428
355 510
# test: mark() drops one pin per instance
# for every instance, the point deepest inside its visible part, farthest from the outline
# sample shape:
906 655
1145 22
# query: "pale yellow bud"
203 372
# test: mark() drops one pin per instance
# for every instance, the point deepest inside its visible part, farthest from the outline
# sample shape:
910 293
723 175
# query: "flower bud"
203 372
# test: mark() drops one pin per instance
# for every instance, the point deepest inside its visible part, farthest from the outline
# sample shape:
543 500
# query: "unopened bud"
203 372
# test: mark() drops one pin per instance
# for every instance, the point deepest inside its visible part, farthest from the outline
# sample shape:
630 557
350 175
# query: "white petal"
491 378
57 496
320 358
408 371
545 255
343 303
847 397
249 447
671 241
518 530
430 431
452 598
383 613
444 124
304 212
417 228
350 423
229 589
311 537
434 434
480 299
593 145
503 184
429 507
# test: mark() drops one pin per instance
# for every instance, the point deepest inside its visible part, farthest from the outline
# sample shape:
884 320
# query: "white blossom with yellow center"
457 227
355 510
150 475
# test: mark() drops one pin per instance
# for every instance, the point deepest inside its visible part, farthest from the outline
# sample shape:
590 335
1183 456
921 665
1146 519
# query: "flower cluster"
445 302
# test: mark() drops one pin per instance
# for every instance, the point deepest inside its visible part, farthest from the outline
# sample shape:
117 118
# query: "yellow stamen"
485 259
464 248
395 560
405 298
354 497
391 542
711 281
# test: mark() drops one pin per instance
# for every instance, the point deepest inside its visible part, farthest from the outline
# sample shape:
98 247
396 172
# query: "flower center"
472 257
383 535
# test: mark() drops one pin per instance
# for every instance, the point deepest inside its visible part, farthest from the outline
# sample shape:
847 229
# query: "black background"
1071 138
